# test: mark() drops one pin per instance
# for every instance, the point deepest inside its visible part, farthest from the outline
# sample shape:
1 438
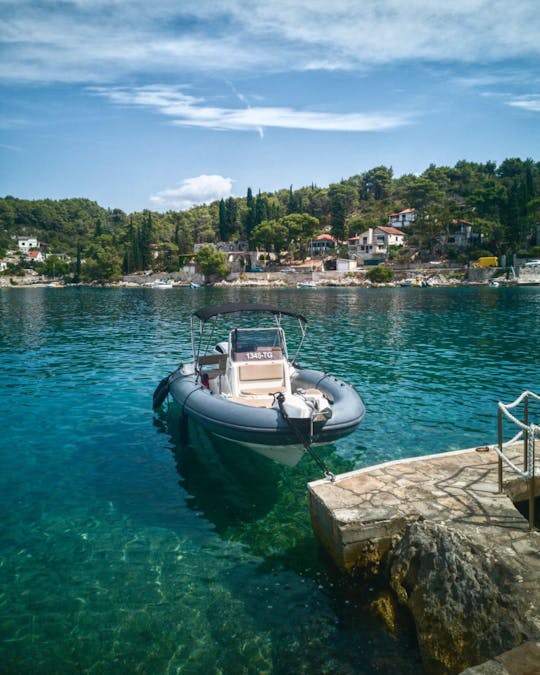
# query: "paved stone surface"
359 517
523 660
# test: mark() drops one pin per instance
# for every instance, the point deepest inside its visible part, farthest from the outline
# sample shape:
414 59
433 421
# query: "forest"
502 203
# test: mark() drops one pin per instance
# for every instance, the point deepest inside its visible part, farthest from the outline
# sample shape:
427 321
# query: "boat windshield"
259 343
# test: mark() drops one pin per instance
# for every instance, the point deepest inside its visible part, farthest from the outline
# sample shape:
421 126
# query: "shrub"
380 274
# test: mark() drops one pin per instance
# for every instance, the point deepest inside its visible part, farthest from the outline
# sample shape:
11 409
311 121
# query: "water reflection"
226 483
233 487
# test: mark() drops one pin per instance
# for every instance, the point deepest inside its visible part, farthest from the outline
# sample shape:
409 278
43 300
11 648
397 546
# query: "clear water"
125 548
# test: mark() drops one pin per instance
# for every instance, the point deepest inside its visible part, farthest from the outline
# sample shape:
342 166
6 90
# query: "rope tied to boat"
279 397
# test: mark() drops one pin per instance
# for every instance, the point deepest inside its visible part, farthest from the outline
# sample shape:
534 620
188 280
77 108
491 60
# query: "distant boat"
306 284
493 284
192 284
162 283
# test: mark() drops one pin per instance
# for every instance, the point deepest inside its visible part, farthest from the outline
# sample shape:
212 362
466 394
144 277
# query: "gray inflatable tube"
264 426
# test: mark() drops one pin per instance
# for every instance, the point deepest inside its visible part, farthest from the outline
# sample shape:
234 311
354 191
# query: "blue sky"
170 103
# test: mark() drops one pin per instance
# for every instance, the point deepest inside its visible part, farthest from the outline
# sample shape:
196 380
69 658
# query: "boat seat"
261 378
218 360
213 364
260 371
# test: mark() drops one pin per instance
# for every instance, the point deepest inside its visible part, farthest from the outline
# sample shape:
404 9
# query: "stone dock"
456 552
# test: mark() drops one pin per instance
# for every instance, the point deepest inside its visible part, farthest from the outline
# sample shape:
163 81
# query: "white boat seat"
260 371
257 379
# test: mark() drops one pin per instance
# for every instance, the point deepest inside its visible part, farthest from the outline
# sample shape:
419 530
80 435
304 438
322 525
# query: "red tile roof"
391 230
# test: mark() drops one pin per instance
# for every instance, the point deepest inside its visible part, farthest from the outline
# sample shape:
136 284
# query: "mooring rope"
280 398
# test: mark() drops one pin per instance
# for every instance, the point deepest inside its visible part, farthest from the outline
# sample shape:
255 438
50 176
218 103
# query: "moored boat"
162 283
246 389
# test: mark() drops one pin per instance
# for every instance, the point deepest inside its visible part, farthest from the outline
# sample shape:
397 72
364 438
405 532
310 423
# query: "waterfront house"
239 258
374 243
322 245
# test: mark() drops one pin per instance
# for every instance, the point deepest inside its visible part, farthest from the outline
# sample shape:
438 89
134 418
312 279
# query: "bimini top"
206 313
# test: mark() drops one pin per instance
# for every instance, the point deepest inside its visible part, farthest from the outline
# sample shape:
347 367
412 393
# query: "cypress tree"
222 220
250 215
145 239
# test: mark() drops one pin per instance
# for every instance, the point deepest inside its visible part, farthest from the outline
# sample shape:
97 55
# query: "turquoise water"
125 548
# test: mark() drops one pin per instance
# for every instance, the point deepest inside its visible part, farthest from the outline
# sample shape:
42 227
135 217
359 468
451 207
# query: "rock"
463 599
386 608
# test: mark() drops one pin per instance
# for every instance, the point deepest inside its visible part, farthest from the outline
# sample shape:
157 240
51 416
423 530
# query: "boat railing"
529 432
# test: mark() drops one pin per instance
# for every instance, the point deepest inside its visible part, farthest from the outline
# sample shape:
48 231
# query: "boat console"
257 366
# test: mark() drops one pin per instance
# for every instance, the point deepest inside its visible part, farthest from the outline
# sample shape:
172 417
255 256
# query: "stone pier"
456 552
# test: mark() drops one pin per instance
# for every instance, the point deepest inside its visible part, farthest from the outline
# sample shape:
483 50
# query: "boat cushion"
261 371
218 360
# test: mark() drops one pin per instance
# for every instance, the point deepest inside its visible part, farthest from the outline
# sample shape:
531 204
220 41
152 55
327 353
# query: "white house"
402 218
25 244
35 256
375 242
322 245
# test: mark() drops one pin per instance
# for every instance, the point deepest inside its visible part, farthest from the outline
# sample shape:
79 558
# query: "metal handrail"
529 432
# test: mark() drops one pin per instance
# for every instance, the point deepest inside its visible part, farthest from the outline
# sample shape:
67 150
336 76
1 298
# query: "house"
25 244
374 243
3 265
461 234
35 256
322 245
238 257
241 245
402 218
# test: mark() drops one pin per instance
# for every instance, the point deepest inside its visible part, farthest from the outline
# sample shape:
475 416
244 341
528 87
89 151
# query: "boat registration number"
259 356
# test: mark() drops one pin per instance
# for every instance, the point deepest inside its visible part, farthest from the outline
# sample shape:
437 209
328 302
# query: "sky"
172 103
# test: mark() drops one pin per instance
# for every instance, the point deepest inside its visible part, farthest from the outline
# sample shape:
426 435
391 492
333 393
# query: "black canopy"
206 313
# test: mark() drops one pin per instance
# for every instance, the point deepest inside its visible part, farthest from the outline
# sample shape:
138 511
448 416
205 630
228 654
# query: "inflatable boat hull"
266 430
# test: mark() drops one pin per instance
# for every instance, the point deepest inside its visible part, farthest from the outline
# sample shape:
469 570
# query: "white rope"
523 474
533 430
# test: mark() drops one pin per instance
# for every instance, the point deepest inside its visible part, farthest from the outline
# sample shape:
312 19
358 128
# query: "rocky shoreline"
420 277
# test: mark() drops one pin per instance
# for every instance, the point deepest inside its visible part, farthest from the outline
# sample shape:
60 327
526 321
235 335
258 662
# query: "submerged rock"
461 596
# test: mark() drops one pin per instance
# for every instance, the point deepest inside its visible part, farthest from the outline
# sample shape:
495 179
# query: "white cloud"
186 110
194 191
94 40
526 102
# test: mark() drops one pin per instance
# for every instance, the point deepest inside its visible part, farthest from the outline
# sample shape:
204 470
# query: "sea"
129 547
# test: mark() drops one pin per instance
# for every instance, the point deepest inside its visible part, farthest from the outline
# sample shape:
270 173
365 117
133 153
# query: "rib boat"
246 389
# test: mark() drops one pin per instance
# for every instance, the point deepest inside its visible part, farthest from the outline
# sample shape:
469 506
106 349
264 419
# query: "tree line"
501 203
